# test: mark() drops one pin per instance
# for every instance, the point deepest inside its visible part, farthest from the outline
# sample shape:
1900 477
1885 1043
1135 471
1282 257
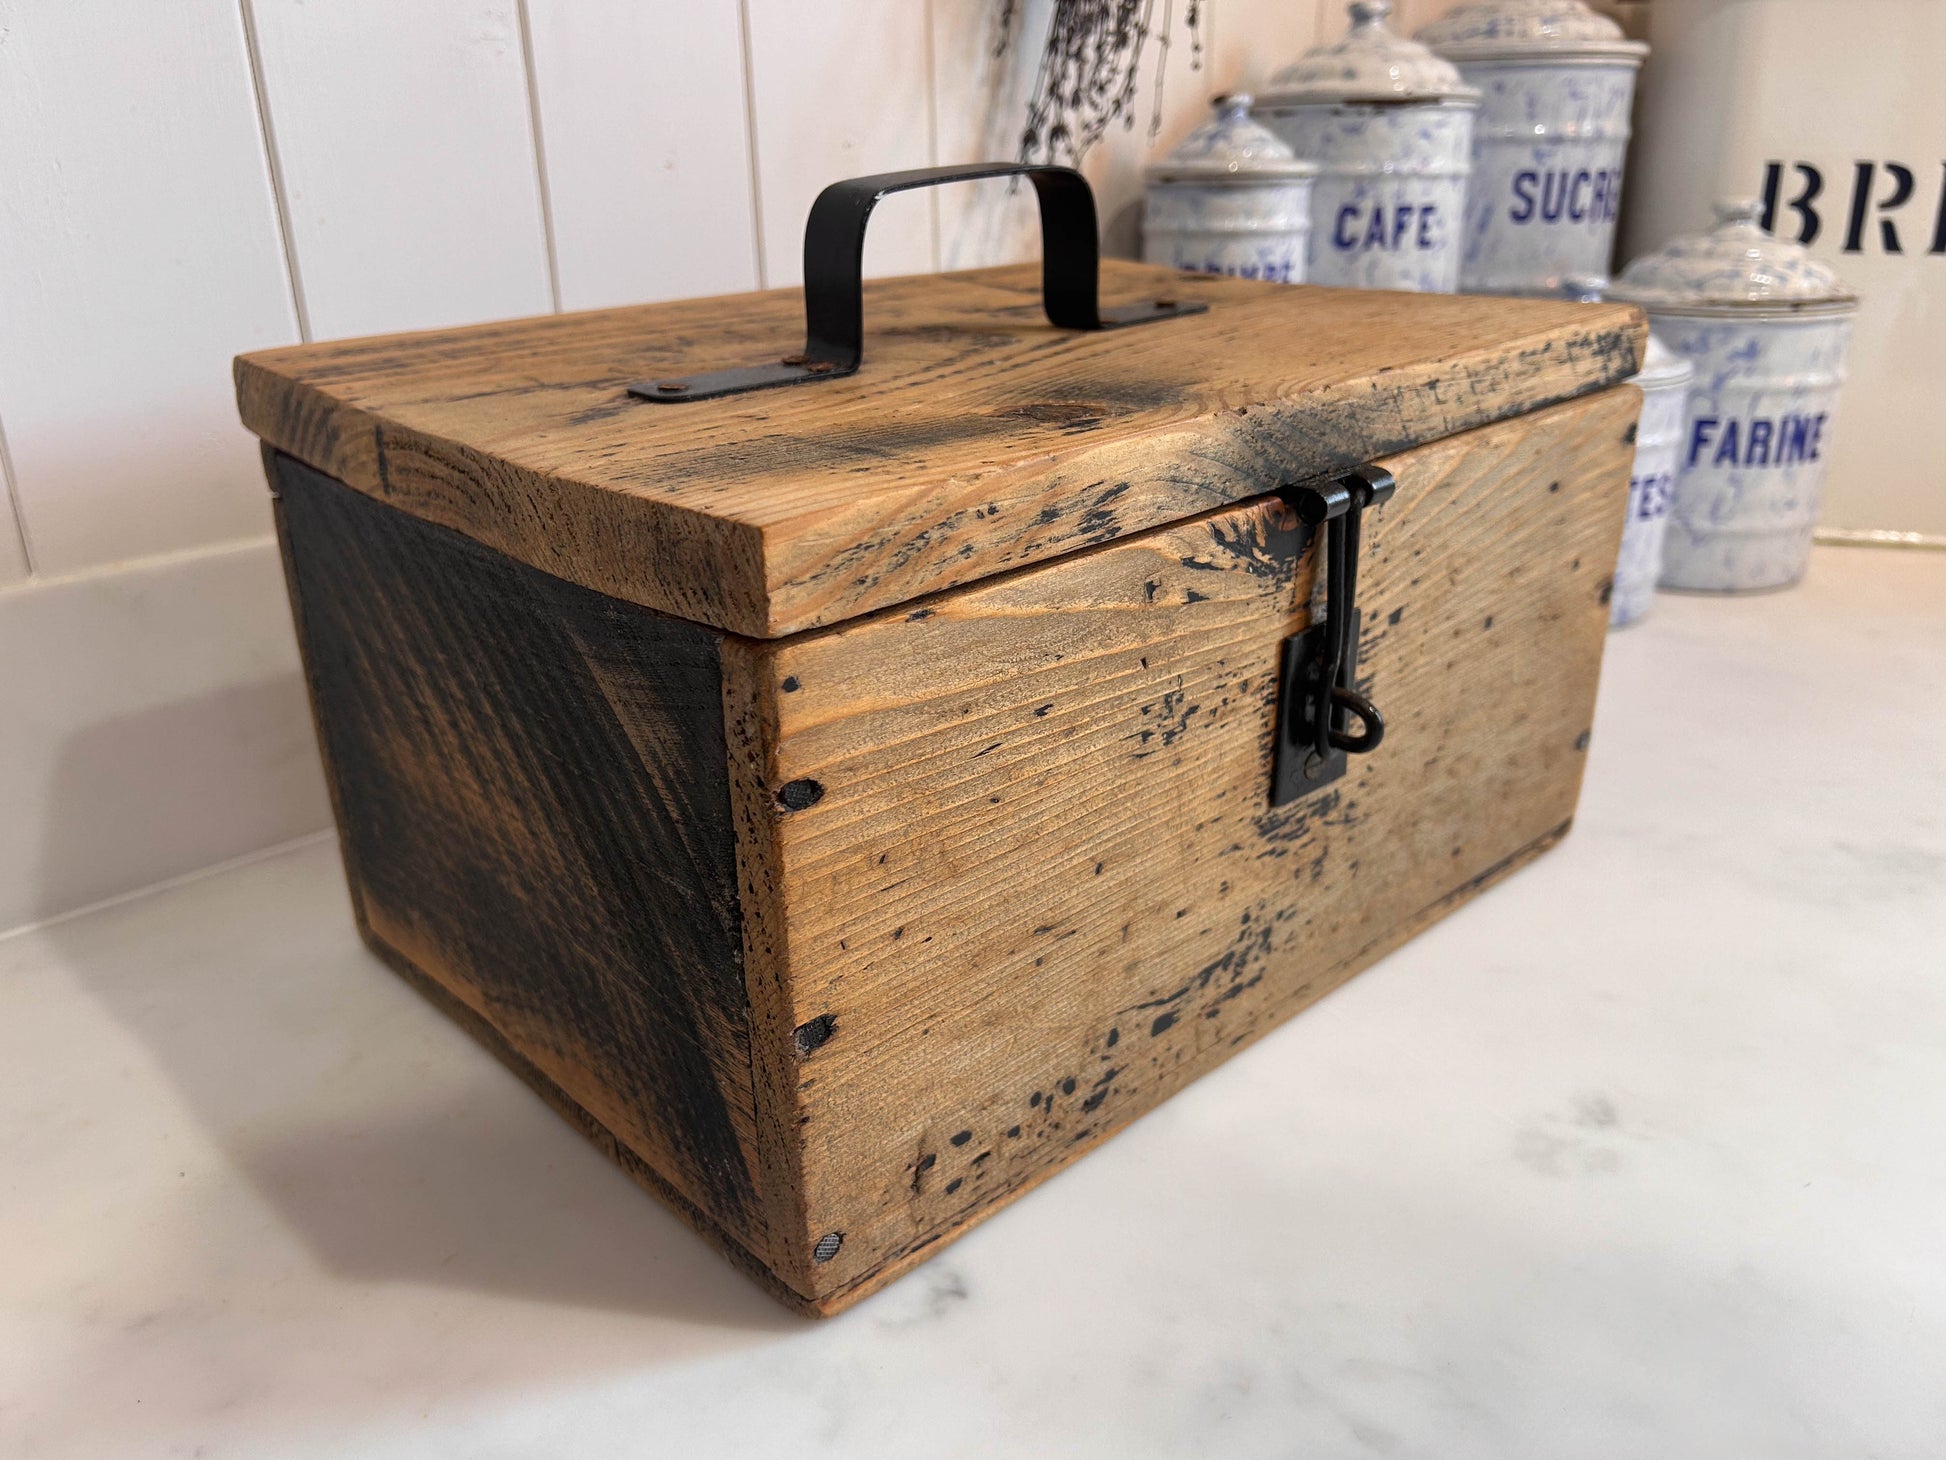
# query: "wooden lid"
976 439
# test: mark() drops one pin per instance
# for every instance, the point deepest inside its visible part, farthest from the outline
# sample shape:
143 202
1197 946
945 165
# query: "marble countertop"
1641 1154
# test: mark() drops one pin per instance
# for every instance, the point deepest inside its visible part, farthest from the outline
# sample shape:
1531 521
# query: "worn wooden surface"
1043 888
976 439
532 796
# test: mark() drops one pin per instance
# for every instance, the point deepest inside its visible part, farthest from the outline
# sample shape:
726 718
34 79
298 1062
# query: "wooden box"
849 803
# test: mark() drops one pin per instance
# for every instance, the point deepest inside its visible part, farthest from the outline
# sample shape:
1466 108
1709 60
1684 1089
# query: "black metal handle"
834 259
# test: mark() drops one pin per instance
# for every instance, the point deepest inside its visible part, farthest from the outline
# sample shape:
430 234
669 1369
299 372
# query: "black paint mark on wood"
533 784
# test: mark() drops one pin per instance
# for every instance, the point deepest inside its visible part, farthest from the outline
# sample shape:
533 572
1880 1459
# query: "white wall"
183 182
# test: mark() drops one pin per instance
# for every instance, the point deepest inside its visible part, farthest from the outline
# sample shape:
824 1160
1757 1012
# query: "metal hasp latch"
1316 699
834 260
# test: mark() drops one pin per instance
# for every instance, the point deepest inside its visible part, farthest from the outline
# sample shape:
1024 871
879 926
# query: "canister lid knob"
1739 210
1231 148
1583 288
1370 64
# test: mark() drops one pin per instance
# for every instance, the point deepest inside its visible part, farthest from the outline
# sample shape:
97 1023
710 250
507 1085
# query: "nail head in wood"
797 795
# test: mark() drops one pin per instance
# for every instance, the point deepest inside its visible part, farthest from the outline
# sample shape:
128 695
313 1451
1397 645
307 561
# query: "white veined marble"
1636 1156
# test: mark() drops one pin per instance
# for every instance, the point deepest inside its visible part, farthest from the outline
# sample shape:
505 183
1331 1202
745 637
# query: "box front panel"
1040 885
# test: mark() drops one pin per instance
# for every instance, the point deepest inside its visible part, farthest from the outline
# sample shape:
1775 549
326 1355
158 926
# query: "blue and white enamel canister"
1232 199
1556 82
1766 327
1390 126
1664 382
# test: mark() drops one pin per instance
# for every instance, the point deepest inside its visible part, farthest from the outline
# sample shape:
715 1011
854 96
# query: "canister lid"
1230 148
1496 30
1372 63
1735 267
1660 364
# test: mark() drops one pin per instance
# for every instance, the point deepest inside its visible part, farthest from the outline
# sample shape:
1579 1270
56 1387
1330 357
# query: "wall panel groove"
16 551
750 131
279 193
540 154
139 250
407 160
646 148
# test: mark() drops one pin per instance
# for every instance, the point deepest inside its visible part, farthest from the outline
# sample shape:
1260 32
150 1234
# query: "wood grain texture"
977 438
532 797
1043 887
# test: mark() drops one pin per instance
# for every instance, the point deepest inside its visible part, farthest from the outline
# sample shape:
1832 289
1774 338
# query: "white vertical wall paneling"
406 153
644 132
980 92
139 251
840 89
13 538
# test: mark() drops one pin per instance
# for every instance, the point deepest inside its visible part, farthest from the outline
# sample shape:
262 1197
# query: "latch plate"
1296 767
1318 699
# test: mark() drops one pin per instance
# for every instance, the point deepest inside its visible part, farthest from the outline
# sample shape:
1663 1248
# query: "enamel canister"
1232 199
1390 126
1766 327
1664 383
1556 82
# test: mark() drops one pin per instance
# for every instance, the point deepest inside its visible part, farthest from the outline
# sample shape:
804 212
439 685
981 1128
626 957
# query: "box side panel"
1043 887
532 799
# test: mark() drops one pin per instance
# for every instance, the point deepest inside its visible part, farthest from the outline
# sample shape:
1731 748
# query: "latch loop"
1317 698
